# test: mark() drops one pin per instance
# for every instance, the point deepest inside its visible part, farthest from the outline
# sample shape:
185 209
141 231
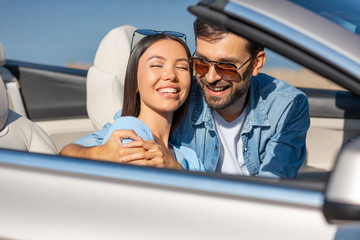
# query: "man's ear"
259 62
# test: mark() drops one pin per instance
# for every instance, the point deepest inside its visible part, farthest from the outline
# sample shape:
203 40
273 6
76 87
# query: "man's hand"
112 150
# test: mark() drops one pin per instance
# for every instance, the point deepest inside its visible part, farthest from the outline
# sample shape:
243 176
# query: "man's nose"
212 76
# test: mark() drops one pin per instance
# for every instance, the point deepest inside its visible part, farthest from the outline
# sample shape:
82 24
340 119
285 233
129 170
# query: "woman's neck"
159 124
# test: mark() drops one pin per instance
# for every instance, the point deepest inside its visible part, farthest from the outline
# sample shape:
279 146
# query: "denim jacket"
273 135
184 155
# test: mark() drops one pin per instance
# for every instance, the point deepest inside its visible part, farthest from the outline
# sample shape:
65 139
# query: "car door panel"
54 98
333 121
51 92
117 200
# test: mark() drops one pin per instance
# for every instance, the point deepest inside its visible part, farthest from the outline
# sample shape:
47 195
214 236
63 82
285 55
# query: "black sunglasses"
147 32
228 71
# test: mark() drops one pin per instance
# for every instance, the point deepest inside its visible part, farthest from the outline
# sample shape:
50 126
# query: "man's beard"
222 102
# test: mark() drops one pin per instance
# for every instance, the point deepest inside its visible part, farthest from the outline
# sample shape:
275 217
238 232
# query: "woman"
155 102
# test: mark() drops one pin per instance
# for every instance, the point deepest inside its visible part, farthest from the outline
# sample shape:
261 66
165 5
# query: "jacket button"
245 149
216 147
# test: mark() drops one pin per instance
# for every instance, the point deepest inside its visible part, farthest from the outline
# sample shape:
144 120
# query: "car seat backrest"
18 132
2 56
105 79
15 101
4 104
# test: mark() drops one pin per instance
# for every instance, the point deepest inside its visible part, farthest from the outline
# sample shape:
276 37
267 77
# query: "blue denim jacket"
273 135
184 155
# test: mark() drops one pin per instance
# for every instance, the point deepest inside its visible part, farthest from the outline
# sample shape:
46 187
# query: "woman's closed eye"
183 65
156 65
156 62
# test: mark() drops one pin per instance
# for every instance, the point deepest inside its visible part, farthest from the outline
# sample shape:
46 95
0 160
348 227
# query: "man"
242 122
248 125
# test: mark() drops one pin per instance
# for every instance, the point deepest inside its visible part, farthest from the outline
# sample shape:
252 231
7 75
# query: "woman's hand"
154 155
111 151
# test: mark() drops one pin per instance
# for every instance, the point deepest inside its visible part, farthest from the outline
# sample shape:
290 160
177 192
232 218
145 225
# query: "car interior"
45 196
16 131
68 103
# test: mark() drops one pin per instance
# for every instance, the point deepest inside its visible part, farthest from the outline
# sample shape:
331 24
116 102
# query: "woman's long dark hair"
131 103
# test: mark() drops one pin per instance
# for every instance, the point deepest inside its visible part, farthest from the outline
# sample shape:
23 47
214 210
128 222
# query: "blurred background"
68 32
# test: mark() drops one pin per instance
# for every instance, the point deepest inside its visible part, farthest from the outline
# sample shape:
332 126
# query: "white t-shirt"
231 155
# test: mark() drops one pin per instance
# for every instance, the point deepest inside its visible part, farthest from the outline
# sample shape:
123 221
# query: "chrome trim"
166 178
296 37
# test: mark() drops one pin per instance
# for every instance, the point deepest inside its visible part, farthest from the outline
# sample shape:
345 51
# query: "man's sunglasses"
147 32
225 70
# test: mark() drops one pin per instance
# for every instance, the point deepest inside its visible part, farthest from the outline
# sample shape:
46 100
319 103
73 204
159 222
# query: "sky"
57 32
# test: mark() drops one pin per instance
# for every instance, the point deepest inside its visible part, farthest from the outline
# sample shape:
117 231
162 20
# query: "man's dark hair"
212 33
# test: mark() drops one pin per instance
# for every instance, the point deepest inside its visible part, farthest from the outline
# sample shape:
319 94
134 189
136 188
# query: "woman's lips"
170 92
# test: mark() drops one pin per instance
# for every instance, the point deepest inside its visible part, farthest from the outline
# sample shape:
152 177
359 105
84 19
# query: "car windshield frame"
345 13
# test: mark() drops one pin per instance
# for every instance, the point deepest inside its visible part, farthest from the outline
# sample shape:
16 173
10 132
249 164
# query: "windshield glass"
346 13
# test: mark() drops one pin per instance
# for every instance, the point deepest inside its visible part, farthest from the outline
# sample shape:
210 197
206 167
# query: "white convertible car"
45 196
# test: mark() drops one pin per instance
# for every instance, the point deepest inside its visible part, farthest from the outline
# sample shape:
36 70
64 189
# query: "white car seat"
105 79
12 86
18 132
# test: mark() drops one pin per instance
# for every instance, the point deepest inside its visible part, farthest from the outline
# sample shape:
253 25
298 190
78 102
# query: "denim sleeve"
286 150
125 123
188 159
94 139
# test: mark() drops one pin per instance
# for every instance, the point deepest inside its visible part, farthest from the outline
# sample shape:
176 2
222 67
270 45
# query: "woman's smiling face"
163 76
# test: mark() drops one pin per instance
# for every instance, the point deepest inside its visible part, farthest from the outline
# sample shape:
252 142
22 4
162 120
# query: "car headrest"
2 56
4 104
105 79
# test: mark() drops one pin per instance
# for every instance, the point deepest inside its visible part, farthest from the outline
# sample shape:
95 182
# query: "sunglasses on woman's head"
228 71
147 32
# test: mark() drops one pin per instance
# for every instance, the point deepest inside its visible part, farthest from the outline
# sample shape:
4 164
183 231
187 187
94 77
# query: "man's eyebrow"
200 55
224 59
